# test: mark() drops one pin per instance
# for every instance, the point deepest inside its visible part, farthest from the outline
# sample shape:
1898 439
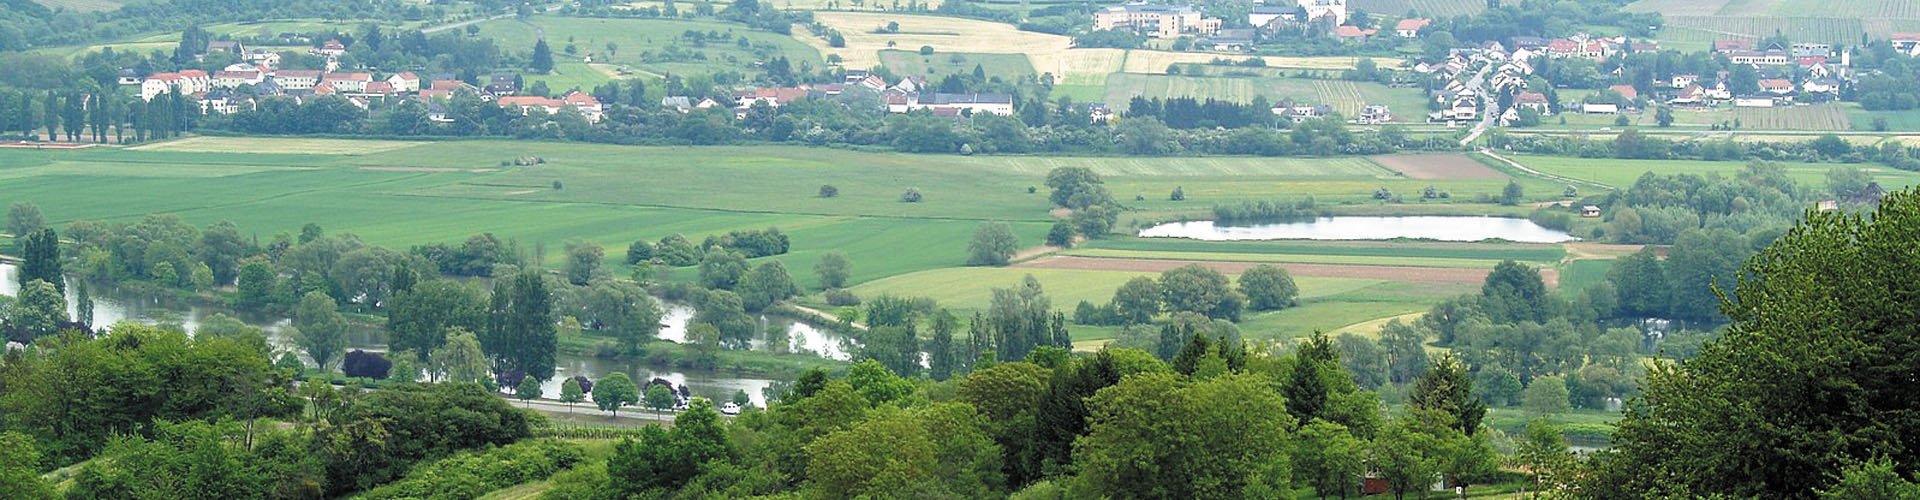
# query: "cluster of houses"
1819 69
1175 21
238 87
910 94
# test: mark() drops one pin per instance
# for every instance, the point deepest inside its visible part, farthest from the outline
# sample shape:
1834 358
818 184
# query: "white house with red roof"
161 83
348 82
1907 43
404 81
1410 28
1776 86
588 106
332 48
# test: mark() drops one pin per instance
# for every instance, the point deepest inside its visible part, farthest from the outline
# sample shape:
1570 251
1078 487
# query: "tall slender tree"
41 251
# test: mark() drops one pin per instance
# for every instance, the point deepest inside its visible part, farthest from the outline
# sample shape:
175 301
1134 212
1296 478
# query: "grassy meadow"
1346 97
656 46
1622 173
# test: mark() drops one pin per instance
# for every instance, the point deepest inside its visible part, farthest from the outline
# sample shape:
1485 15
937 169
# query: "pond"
112 305
1442 228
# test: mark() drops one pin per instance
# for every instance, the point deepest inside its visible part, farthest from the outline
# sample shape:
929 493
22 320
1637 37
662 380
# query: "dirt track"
1390 273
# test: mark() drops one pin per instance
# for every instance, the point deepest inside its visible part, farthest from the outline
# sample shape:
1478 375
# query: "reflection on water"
112 305
1443 228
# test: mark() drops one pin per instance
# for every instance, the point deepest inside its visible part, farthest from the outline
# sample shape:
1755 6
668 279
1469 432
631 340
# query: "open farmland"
1052 54
1621 173
1438 166
657 46
82 5
1346 97
1830 116
937 66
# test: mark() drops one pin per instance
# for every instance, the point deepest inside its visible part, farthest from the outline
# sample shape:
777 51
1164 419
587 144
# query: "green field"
1429 8
1622 173
1346 97
399 194
658 46
82 5
938 66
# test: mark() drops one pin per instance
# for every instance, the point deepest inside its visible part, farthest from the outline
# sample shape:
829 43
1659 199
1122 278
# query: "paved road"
1486 105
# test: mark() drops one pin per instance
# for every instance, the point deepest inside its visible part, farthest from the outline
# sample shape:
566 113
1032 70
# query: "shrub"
926 50
841 297
911 196
364 364
828 191
472 474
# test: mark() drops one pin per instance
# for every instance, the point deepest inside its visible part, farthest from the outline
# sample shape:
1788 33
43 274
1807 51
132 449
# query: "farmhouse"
332 48
1776 86
1694 95
1589 211
1374 114
161 83
526 104
1302 113
264 57
1533 100
1821 86
1348 33
969 104
1410 28
1156 21
1681 81
1600 108
228 46
404 82
774 97
348 82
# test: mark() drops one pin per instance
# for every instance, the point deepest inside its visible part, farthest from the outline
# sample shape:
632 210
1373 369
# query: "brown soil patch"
1389 273
1587 250
1437 166
1030 253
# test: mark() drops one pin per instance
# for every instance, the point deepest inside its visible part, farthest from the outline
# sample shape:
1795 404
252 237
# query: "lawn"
937 66
1622 173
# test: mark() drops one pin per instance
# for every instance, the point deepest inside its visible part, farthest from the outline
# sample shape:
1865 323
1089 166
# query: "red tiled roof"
1626 91
1414 24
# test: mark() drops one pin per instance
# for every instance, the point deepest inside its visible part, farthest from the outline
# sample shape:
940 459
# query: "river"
113 305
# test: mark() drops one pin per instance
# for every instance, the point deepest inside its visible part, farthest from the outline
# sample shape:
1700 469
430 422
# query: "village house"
1302 113
1693 95
264 57
680 103
1266 16
1776 86
233 79
773 97
297 79
967 104
228 46
129 77
348 82
1533 100
1155 21
404 82
503 84
1232 40
1348 33
1821 86
1335 10
1589 211
161 83
1410 28
587 105
329 49
1374 114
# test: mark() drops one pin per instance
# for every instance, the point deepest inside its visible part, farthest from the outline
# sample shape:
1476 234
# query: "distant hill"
83 5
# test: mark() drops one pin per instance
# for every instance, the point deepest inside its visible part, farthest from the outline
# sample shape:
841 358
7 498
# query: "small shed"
1590 211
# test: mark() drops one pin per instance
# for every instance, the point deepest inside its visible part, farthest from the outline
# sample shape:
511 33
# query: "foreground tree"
320 329
833 269
40 254
1814 373
1268 288
19 468
1231 441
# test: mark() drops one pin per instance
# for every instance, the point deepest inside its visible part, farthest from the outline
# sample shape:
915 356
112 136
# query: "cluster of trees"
1189 113
1192 289
1053 424
1502 21
1758 203
1631 144
1255 212
91 113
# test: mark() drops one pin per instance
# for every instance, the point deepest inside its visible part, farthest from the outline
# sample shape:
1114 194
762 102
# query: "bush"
1253 212
472 474
365 364
841 297
751 244
828 191
911 196
926 50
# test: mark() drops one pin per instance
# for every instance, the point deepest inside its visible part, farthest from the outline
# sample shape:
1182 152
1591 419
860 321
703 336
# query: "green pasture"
940 65
1580 274
647 44
1861 119
1622 173
1346 97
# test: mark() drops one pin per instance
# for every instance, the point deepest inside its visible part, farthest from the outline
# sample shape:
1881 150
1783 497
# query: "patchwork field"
82 5
398 193
1050 54
1346 97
